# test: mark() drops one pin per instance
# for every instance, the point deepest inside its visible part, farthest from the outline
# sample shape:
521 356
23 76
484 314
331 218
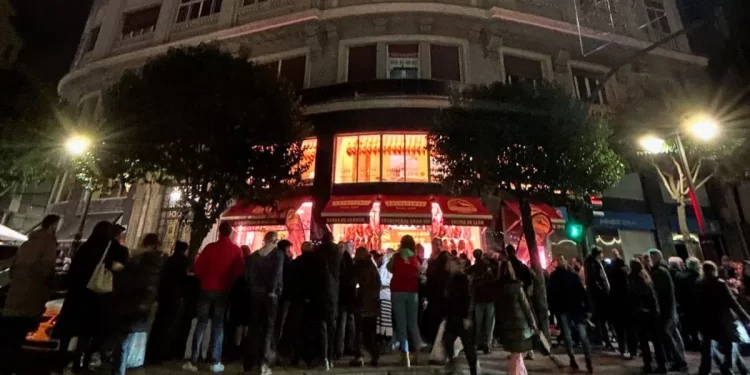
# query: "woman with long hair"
516 322
404 288
645 309
82 314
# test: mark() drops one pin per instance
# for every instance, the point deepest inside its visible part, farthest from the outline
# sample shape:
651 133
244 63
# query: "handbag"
101 280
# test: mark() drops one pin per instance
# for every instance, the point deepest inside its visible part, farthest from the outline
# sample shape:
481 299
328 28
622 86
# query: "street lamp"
700 126
77 145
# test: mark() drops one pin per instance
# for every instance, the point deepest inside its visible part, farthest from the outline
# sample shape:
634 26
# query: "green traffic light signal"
574 231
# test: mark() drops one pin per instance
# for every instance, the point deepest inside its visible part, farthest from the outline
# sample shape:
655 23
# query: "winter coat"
32 273
83 311
685 284
265 274
664 288
514 317
483 281
522 271
219 265
405 268
566 294
135 292
717 310
329 262
642 300
367 300
618 281
459 300
348 284
437 276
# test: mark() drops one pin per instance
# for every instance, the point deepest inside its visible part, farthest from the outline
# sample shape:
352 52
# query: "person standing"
134 297
162 340
436 277
366 307
483 283
284 300
685 284
644 308
458 317
516 321
307 309
83 312
569 303
598 287
32 275
347 292
717 312
727 270
674 348
618 277
264 273
329 262
385 318
404 288
217 267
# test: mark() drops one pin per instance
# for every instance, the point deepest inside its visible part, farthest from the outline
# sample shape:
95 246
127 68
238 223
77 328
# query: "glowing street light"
175 196
77 145
652 144
703 127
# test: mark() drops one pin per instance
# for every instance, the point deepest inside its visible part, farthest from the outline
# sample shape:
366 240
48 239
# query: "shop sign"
624 220
467 222
461 206
261 221
391 220
347 220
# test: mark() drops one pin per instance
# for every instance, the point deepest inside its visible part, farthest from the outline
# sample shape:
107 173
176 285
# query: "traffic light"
574 230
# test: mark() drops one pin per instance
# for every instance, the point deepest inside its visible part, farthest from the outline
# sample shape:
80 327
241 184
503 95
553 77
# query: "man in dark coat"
458 314
716 316
569 303
485 294
674 348
685 284
598 287
347 292
627 343
330 263
727 270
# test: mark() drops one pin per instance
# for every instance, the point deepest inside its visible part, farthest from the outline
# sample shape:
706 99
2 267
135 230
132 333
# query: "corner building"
372 75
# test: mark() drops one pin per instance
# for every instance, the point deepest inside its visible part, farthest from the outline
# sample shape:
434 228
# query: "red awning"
349 209
464 211
536 208
257 215
405 210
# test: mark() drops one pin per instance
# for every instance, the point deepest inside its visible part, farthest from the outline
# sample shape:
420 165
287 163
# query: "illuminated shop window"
309 147
382 157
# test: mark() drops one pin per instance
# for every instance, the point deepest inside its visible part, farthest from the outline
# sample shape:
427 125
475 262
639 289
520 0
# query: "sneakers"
405 360
265 370
189 366
530 355
217 368
627 355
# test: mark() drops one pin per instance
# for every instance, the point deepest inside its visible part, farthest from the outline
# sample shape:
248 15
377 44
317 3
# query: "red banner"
406 210
349 210
464 211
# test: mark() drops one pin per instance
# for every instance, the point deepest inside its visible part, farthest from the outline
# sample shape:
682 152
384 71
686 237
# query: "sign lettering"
405 221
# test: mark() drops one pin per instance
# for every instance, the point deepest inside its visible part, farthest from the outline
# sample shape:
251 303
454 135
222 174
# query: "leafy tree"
30 126
535 141
216 126
666 108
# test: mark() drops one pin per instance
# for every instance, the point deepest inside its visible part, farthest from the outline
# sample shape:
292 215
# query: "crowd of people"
333 301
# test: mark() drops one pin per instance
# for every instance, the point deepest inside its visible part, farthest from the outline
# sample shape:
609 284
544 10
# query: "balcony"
378 88
134 40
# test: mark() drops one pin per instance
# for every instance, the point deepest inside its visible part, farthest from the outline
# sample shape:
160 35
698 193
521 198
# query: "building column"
167 16
110 28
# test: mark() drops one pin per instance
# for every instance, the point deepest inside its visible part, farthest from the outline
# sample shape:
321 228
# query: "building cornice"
317 15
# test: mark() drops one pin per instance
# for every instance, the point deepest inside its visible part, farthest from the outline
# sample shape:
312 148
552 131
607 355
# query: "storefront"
546 221
629 233
291 219
378 222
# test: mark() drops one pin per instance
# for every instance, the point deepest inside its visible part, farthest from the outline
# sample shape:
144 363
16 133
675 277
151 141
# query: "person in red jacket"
217 267
404 288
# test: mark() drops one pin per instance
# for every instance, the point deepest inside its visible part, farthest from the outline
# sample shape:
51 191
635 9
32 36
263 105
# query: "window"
657 15
403 61
309 150
520 69
362 64
444 62
140 22
252 2
93 37
381 157
192 9
584 82
291 70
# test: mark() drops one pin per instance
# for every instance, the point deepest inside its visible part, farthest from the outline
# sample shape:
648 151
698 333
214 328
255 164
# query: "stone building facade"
377 67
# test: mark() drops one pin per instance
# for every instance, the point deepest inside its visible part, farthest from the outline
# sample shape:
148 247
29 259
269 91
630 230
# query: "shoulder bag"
101 280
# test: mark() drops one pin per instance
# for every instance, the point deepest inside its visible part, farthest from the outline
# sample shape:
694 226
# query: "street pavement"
496 363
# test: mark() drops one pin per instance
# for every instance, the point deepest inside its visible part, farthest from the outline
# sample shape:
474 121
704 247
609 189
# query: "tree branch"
697 169
703 182
664 180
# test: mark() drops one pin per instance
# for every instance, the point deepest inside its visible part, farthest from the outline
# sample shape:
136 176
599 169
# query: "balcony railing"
378 88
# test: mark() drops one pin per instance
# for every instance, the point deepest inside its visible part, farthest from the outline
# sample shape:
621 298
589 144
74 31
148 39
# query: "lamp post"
76 146
701 127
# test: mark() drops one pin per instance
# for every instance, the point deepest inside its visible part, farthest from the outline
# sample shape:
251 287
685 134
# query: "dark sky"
51 30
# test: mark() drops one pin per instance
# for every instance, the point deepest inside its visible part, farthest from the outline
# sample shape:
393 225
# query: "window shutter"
362 64
293 71
444 61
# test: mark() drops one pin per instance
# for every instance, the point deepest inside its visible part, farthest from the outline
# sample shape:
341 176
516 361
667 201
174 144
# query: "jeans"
211 305
565 327
672 340
627 340
454 329
121 353
13 331
729 358
650 330
259 341
326 335
405 310
484 319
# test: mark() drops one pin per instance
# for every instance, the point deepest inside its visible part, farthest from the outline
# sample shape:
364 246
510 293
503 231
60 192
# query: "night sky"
51 30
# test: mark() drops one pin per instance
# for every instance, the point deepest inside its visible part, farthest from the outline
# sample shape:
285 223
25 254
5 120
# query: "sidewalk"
496 363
